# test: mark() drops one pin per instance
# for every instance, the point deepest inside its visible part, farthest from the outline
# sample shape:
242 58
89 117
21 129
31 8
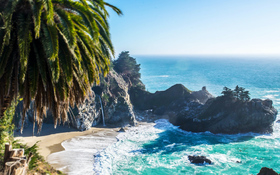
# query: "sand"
50 139
78 158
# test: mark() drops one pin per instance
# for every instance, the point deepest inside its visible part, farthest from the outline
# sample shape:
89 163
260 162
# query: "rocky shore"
121 98
199 111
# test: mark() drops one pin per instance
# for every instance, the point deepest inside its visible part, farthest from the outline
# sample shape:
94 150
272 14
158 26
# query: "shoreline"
60 147
50 139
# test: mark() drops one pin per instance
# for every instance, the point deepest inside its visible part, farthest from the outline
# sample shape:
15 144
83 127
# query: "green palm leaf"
51 52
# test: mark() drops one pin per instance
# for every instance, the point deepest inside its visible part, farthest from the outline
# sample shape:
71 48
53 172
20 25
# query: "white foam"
272 91
78 157
270 96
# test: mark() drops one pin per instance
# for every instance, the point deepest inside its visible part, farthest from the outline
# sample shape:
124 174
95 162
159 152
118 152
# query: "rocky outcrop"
171 100
87 114
111 96
116 105
229 115
199 160
267 171
199 111
116 100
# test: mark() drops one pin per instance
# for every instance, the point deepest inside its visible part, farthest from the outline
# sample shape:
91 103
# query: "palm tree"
52 52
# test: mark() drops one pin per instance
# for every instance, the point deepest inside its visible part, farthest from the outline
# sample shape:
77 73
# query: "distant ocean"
163 149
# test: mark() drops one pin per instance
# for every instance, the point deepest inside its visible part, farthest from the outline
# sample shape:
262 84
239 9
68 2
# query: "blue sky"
196 27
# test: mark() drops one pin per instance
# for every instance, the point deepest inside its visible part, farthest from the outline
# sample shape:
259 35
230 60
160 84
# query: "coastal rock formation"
116 105
199 160
116 100
267 171
171 100
87 114
230 116
199 111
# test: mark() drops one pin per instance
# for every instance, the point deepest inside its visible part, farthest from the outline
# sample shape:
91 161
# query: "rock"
121 130
228 115
118 108
174 99
199 160
278 121
202 96
144 100
199 111
267 171
115 99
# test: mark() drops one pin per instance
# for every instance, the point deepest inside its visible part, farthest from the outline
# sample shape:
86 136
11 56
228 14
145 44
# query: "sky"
196 27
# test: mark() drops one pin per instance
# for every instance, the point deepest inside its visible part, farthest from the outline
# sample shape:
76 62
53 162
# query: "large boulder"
267 171
199 160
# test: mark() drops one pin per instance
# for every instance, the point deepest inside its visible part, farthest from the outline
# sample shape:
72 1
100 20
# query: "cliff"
113 98
121 97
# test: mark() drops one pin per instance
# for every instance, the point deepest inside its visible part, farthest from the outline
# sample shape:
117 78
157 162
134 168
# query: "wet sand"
50 139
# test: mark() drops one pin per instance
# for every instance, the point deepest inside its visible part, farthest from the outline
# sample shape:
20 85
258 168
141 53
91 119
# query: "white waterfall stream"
102 110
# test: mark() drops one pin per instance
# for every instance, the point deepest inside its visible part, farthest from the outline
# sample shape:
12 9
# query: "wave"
164 148
78 157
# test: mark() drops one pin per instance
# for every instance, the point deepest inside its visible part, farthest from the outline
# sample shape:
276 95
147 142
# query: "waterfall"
102 110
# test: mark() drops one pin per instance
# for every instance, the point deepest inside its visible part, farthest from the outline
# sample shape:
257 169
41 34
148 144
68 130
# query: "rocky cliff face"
195 111
116 105
116 99
171 100
111 96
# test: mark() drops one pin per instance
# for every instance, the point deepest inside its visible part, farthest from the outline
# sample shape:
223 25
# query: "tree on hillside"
128 68
238 93
52 51
227 92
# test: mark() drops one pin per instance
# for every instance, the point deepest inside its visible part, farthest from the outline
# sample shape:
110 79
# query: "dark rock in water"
121 130
278 121
267 171
230 116
199 160
199 111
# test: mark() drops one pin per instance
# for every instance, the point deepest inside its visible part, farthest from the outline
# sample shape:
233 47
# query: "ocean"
163 149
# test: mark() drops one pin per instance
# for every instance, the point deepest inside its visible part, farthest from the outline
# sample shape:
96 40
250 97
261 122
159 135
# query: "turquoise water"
164 148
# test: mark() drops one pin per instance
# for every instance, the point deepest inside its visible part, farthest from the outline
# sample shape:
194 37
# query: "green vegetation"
6 136
129 69
7 127
238 93
52 52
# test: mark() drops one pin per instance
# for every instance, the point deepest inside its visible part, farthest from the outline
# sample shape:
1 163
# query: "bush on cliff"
238 93
129 69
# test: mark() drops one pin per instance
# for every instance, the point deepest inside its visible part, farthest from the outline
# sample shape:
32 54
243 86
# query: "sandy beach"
79 147
50 139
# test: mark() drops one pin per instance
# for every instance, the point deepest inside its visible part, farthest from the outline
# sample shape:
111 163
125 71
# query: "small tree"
238 93
227 92
245 96
128 68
